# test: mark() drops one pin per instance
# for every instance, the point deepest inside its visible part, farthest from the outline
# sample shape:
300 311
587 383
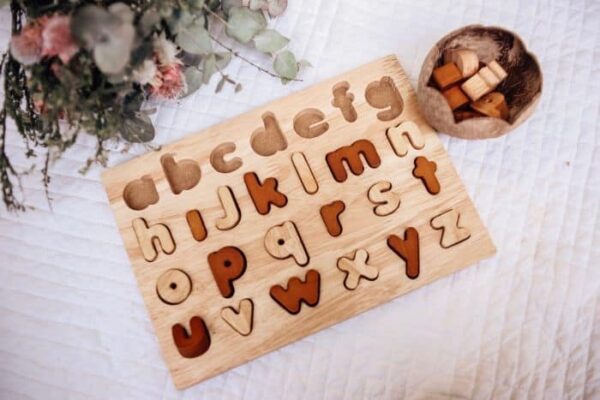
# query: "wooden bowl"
522 87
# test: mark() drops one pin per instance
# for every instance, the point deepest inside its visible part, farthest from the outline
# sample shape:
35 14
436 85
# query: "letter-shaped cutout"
283 241
182 175
152 238
264 194
298 292
217 158
385 199
356 267
230 206
452 233
196 224
309 124
140 193
270 139
401 135
351 155
227 265
330 213
194 344
408 250
343 99
425 170
173 286
304 172
240 321
385 94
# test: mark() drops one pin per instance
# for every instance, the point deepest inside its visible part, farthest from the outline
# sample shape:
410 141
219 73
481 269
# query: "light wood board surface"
272 326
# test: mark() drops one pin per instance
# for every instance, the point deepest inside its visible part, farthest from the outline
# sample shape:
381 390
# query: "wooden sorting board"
193 258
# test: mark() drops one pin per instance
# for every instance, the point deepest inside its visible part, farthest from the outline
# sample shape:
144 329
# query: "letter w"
298 291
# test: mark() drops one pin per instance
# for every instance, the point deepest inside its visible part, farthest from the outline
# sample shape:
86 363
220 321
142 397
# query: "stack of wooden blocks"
469 87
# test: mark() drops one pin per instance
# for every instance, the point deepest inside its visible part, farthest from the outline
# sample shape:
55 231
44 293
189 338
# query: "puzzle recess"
306 253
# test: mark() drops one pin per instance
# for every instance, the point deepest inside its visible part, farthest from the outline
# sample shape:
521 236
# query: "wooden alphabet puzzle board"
291 218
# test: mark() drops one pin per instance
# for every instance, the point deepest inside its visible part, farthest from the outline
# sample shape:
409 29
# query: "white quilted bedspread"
524 324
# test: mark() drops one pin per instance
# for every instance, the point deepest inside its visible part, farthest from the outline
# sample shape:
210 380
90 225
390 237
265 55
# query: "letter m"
351 155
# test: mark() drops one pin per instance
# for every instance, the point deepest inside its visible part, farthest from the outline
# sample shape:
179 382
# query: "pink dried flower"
26 47
169 82
57 39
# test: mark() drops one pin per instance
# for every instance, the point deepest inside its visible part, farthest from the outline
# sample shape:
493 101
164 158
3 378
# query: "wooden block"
492 105
466 61
484 81
497 70
475 87
455 97
446 75
461 115
195 340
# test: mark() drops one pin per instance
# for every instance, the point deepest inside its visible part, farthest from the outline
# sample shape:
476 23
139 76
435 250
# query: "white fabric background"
524 324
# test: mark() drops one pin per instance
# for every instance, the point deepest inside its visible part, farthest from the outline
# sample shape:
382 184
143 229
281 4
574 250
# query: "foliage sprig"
89 66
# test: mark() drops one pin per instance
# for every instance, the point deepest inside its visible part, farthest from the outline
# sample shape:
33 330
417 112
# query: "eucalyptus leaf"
229 4
180 21
196 4
270 41
194 39
114 54
122 11
193 79
304 64
243 24
258 5
137 128
149 20
220 85
285 65
90 25
276 7
209 67
223 59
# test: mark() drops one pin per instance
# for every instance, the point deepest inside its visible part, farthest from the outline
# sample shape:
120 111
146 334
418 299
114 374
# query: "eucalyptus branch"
241 57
